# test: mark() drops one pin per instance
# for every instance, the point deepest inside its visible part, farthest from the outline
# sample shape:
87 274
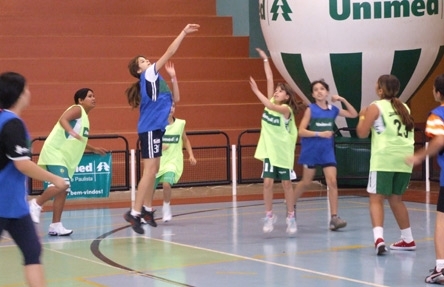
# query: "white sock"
439 264
135 212
148 208
406 235
378 232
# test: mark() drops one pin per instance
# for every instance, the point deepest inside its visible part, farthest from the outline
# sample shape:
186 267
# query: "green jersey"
172 157
391 142
277 140
60 148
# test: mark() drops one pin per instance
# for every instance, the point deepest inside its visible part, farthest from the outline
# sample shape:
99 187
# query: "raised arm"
268 73
283 109
172 73
190 28
349 111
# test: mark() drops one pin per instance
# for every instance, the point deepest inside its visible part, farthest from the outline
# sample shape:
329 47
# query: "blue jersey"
155 101
14 146
434 127
317 150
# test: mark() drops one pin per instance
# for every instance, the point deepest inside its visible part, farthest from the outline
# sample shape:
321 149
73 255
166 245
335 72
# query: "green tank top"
390 142
172 158
60 148
277 140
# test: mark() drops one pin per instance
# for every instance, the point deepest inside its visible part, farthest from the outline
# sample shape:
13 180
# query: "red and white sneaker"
402 245
380 246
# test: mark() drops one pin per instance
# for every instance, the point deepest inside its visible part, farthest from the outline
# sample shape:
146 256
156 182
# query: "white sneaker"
268 223
291 225
34 210
57 229
166 212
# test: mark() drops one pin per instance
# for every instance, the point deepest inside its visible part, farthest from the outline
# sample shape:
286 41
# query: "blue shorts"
151 143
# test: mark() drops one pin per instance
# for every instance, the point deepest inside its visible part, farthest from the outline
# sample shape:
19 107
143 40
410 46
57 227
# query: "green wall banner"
92 177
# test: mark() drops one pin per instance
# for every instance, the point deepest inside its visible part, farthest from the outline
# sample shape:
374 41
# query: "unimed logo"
344 9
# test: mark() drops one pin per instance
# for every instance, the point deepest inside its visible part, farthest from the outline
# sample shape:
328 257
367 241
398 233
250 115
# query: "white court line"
273 263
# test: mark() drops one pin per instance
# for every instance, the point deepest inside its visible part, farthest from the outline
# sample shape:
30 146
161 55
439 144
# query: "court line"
95 249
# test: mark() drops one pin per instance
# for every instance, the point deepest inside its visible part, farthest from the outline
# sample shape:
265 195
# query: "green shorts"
388 183
168 177
277 173
59 170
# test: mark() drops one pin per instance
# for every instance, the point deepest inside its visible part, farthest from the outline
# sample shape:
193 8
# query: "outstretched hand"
169 67
253 85
262 53
191 28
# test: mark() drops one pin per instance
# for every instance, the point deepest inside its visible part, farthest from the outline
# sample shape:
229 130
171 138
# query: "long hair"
390 86
133 92
11 87
296 106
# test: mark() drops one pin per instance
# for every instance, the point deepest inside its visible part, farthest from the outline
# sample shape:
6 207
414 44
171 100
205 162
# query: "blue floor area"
222 244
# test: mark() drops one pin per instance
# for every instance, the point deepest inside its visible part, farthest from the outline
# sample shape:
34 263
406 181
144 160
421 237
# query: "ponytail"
404 114
133 95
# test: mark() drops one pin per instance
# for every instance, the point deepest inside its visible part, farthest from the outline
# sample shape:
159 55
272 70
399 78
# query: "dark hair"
133 92
11 87
439 84
390 86
295 105
322 82
81 94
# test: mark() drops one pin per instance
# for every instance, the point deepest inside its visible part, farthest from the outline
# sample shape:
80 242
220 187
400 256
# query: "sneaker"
57 229
380 246
435 277
34 210
134 221
336 222
148 217
268 223
402 245
166 212
291 225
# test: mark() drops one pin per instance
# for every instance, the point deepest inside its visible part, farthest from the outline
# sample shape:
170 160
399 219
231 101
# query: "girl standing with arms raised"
317 144
392 139
277 143
154 97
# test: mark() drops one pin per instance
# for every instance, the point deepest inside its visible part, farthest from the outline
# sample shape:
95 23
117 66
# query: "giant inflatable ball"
350 43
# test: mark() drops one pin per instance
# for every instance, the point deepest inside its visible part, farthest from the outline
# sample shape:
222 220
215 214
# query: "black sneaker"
135 222
148 217
435 277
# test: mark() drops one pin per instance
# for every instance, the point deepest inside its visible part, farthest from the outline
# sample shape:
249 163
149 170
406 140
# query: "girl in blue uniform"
154 98
317 144
15 166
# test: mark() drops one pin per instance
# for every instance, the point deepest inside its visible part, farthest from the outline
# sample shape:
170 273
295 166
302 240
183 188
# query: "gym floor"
215 242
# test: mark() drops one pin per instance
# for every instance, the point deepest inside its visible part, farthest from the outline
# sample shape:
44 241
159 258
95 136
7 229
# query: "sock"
378 232
269 213
439 264
290 215
166 203
148 208
406 235
135 213
333 215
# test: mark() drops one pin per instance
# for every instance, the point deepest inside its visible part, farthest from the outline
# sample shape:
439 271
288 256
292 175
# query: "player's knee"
32 255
